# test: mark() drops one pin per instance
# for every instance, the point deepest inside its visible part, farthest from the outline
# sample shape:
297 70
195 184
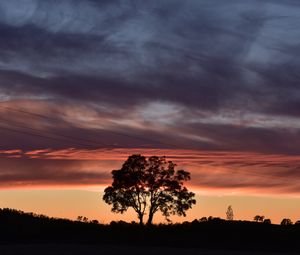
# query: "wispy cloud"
238 172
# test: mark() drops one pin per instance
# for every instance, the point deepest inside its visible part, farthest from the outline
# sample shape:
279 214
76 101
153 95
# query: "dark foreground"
117 250
22 233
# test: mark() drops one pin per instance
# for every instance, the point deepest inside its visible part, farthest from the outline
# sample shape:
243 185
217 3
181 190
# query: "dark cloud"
36 172
197 54
53 130
213 75
243 138
240 171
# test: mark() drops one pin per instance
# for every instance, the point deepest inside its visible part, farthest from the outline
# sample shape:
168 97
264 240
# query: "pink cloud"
237 172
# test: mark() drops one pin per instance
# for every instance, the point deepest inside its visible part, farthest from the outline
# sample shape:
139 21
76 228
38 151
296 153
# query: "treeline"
216 233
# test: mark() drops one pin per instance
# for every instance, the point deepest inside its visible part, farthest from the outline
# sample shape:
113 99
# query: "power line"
49 118
37 135
65 137
68 139
58 139
109 131
26 112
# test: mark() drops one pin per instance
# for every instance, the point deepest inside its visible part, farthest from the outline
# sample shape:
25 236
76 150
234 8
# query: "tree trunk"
141 219
149 222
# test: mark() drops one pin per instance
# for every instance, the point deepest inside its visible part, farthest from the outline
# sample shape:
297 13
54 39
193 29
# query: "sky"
212 85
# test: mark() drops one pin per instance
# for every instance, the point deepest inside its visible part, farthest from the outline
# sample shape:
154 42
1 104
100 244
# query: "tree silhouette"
259 218
203 219
229 213
286 222
267 221
82 218
210 218
147 186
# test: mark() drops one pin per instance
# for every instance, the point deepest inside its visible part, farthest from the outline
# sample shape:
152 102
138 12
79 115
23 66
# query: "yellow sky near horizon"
72 203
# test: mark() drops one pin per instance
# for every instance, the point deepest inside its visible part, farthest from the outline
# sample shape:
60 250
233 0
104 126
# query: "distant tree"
94 221
195 222
217 220
229 213
297 222
119 223
149 185
210 218
267 221
259 218
203 219
82 219
286 222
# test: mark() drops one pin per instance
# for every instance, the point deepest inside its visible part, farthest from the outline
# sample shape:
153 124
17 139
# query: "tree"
286 222
149 185
210 218
94 221
267 221
259 218
203 219
229 213
82 218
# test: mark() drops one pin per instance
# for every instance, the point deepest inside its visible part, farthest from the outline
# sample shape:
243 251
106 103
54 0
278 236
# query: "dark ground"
22 233
52 249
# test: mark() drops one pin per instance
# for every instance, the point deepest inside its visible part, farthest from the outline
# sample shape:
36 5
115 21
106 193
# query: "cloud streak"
234 172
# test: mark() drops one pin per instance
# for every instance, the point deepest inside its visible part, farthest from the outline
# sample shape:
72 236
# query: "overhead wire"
66 138
81 139
71 139
10 129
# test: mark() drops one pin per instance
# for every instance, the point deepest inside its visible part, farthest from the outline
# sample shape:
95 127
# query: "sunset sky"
213 85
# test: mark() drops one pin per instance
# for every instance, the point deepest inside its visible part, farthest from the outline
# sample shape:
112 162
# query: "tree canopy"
229 213
286 222
149 185
259 218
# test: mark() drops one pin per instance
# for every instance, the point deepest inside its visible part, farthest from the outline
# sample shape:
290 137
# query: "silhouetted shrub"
195 222
286 222
203 219
259 218
210 218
